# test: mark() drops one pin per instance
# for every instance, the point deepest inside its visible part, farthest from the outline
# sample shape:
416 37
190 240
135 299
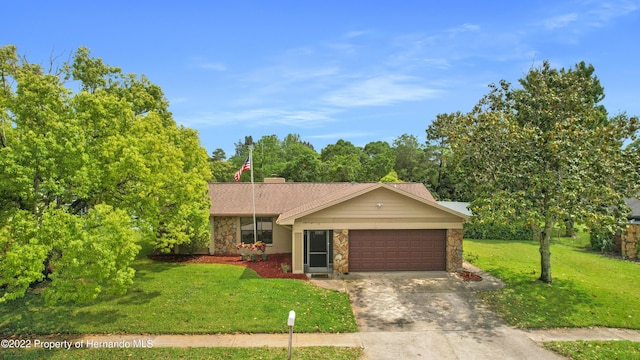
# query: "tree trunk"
569 228
545 252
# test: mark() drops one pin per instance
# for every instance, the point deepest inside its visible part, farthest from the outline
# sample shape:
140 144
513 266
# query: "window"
264 230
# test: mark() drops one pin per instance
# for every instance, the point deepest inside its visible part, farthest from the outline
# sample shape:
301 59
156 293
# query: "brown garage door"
388 250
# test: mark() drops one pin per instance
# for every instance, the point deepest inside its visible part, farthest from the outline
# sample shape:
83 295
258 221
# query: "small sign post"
292 319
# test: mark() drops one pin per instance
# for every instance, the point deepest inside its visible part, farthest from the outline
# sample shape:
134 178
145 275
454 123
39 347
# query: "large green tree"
342 161
411 162
545 152
379 160
85 175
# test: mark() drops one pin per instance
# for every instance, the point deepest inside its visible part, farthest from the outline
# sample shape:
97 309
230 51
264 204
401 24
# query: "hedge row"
498 231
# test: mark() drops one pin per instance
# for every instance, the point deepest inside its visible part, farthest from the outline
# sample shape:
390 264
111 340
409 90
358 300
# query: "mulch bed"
468 276
272 268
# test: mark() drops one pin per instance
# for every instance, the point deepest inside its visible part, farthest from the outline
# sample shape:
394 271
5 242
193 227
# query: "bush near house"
495 231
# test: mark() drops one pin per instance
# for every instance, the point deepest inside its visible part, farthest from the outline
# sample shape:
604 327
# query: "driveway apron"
431 315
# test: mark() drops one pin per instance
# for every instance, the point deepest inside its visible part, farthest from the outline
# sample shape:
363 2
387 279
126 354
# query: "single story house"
339 227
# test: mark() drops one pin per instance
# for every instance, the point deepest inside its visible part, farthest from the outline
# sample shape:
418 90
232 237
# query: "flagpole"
253 196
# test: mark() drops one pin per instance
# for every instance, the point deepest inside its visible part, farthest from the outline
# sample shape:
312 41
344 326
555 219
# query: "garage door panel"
390 250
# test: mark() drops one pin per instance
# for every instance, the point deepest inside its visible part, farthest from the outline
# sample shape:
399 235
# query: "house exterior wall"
281 240
454 250
297 252
627 242
226 235
396 212
341 251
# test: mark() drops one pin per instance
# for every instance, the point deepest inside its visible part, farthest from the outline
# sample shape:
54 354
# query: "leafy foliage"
496 231
546 152
298 161
87 174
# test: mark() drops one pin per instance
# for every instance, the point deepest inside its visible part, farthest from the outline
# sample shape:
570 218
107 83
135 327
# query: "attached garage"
397 250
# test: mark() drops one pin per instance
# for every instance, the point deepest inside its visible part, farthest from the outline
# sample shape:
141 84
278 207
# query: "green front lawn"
596 350
308 353
588 289
188 299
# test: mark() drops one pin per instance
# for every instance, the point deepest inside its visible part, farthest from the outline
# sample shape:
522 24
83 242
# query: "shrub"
514 231
602 239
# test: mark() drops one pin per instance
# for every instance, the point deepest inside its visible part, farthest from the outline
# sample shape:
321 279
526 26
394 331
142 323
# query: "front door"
318 251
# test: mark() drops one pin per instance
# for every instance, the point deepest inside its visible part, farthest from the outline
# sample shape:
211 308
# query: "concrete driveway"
432 315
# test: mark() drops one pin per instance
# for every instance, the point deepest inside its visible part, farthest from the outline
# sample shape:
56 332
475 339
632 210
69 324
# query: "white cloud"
355 34
341 135
610 10
464 28
590 14
560 21
259 117
202 63
215 66
380 91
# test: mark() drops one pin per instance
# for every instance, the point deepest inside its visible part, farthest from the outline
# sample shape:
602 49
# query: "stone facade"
454 250
225 229
341 251
627 242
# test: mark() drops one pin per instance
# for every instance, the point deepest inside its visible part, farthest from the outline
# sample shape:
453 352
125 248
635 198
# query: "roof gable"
412 192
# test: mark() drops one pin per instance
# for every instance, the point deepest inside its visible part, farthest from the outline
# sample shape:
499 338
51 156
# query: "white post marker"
292 319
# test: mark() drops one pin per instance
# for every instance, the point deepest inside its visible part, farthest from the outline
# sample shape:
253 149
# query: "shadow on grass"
137 297
529 303
57 320
249 274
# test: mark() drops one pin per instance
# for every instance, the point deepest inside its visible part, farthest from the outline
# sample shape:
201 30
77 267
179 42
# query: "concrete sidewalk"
595 333
341 340
237 340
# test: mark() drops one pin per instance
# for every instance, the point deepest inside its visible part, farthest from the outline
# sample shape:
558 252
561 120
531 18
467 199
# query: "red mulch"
272 268
468 276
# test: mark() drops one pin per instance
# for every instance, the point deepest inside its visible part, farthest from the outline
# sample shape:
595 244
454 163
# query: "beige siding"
281 239
396 212
297 253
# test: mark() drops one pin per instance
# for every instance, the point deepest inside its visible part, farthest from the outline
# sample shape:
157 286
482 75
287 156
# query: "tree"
445 181
342 161
221 170
546 151
268 157
411 162
392 176
86 175
378 161
303 163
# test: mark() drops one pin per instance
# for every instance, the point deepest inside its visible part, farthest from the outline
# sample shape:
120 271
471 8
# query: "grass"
596 350
188 299
588 289
310 353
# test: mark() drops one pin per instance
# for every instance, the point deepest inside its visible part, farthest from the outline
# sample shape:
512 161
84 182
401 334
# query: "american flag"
245 166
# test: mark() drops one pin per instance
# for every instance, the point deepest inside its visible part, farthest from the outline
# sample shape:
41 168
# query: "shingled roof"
234 199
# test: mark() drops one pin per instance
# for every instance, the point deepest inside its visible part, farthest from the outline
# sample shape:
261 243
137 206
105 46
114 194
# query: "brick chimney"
274 180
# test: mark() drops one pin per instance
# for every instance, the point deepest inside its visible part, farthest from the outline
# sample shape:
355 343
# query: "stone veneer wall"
627 242
341 251
224 234
454 250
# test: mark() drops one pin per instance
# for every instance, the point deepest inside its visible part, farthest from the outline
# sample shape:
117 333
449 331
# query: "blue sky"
355 70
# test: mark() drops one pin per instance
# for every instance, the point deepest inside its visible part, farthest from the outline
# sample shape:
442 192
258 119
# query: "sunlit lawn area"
188 299
588 289
308 353
596 350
